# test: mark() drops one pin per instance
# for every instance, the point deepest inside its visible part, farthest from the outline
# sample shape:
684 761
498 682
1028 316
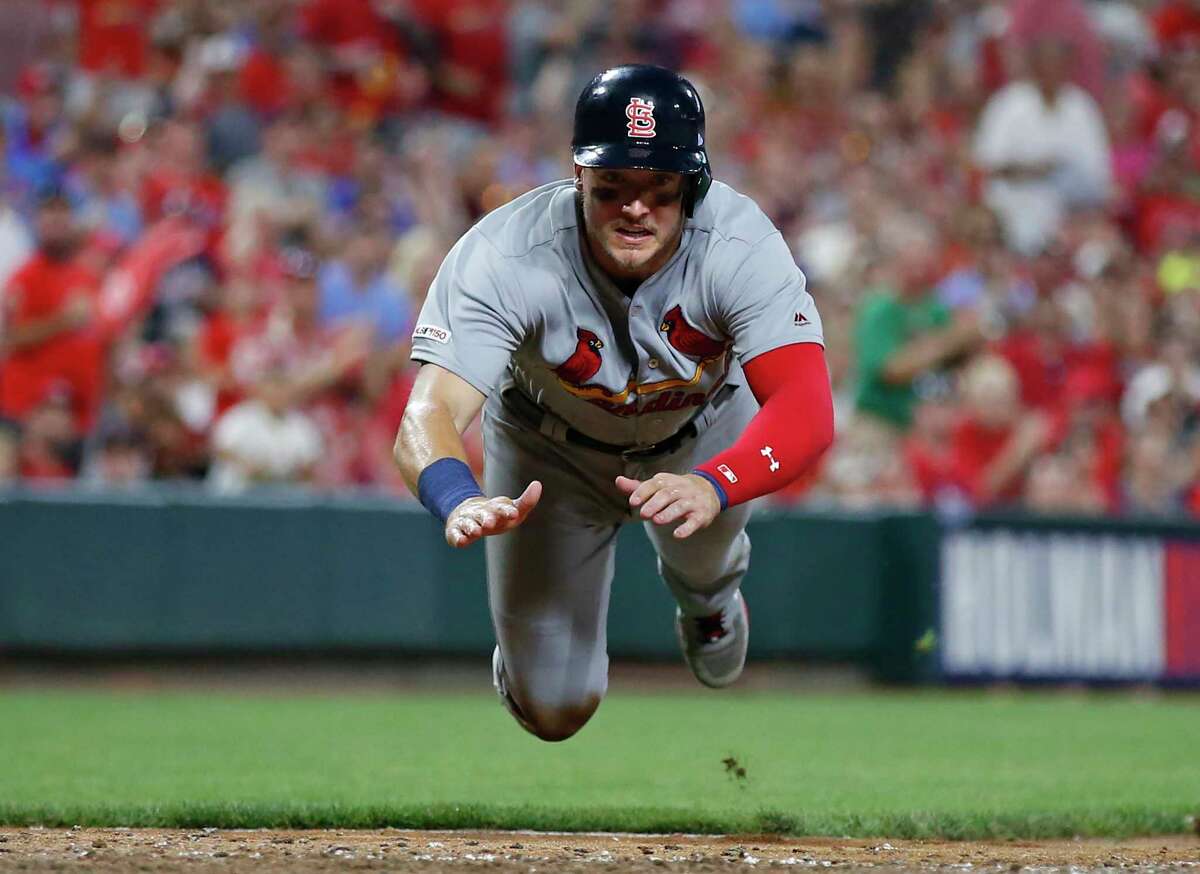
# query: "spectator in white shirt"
16 244
265 440
1041 140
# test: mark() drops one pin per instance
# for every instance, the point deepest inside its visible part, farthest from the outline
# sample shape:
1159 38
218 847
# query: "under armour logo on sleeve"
765 452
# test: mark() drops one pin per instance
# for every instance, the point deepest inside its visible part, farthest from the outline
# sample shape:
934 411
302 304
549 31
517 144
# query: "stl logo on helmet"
641 118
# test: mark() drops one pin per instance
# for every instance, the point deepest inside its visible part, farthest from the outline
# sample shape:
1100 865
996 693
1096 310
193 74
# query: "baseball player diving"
642 346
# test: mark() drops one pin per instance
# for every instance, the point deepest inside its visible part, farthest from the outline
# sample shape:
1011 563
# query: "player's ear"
578 178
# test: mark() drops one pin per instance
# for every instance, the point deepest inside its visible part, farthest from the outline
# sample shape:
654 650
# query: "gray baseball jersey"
517 297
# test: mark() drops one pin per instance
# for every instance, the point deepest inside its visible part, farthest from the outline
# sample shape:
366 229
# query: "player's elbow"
824 429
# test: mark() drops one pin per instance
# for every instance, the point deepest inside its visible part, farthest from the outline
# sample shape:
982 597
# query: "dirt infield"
38 849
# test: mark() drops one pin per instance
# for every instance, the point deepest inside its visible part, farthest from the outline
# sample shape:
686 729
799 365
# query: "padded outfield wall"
907 594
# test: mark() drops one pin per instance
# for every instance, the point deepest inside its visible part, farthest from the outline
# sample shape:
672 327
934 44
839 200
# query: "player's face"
634 218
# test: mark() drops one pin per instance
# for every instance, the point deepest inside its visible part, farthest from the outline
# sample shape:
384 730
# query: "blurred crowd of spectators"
218 219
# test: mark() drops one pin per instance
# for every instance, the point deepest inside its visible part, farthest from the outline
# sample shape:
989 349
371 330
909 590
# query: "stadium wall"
913 596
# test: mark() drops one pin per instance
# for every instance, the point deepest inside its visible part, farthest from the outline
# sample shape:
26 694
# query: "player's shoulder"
729 217
529 223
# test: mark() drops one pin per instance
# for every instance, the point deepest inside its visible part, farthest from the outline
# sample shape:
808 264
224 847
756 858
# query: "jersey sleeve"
471 322
765 304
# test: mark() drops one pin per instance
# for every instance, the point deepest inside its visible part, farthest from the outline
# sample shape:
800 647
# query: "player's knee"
560 721
563 720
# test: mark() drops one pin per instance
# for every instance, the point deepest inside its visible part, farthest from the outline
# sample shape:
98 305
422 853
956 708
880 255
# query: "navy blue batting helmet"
642 117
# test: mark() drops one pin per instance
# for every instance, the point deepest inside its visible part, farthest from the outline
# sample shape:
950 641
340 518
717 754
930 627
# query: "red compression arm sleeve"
786 436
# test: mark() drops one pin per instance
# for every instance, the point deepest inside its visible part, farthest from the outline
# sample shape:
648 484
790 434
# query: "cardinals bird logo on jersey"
577 372
584 362
688 339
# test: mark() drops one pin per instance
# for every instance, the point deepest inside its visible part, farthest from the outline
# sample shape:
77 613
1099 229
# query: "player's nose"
636 209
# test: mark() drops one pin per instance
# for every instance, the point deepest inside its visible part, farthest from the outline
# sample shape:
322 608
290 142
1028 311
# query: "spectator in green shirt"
905 332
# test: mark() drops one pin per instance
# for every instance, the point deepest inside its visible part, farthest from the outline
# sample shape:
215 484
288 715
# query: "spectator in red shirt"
997 439
263 78
237 315
179 182
1177 23
112 35
1066 20
470 79
928 450
51 448
374 71
45 328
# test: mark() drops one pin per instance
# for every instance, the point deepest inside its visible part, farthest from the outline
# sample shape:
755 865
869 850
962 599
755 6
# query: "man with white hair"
1041 140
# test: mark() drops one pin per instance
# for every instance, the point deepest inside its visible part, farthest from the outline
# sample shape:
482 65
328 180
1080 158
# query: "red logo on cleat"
641 118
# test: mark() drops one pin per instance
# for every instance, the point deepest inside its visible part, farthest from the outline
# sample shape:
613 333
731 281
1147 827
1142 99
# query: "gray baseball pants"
549 578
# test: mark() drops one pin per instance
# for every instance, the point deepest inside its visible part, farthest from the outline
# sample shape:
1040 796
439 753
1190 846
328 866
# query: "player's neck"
627 281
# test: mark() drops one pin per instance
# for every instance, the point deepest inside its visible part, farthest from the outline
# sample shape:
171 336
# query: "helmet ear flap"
697 187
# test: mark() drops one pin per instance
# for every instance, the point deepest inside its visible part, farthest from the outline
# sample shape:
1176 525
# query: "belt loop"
552 426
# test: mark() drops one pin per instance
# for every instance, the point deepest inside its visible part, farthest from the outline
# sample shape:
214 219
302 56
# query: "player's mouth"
633 235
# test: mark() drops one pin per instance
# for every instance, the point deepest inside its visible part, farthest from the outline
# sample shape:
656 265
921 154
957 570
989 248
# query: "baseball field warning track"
204 850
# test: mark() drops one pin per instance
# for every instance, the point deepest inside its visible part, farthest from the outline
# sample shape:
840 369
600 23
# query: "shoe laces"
711 628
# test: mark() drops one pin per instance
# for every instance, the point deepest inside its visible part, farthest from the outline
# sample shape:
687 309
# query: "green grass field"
965 765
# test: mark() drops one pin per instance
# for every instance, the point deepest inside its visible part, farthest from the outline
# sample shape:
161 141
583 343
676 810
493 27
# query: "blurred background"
218 221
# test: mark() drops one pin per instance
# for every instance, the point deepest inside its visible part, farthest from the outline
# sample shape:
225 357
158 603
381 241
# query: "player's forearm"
787 436
427 433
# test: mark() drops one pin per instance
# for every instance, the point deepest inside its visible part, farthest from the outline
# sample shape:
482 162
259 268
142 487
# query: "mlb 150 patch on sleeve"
432 332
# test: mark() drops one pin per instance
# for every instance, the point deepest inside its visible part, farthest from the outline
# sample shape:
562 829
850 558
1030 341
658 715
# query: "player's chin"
635 254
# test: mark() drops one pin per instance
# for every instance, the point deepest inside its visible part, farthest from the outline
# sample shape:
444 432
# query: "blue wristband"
444 485
724 498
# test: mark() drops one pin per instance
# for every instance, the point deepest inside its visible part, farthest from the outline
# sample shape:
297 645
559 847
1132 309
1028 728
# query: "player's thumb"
626 485
529 498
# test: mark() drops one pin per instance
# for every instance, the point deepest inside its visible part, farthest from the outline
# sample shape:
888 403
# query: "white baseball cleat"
715 646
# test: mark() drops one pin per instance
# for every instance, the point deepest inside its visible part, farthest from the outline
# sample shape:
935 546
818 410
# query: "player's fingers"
694 522
658 501
528 499
689 527
673 511
485 518
507 515
646 491
456 537
627 485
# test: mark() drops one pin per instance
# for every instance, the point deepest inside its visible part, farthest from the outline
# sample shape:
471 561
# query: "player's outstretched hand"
481 517
668 497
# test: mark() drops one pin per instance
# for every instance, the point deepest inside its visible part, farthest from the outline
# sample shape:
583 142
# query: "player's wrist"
719 490
445 485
